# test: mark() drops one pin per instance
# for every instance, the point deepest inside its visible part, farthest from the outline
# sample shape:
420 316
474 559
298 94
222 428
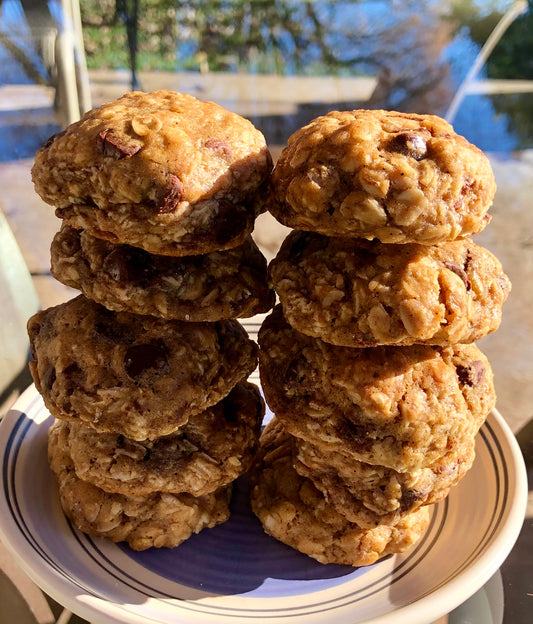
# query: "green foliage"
512 59
105 36
513 56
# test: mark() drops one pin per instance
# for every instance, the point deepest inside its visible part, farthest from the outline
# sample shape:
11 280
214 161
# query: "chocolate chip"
106 331
455 268
49 377
70 242
127 264
228 222
110 329
51 139
298 245
293 374
173 196
471 375
116 267
409 144
74 374
116 146
409 498
62 213
468 260
357 436
146 359
231 408
219 146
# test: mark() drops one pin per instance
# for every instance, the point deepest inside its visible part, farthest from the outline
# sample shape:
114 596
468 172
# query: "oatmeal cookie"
370 495
293 511
138 376
211 287
210 451
159 520
398 407
381 174
162 171
354 292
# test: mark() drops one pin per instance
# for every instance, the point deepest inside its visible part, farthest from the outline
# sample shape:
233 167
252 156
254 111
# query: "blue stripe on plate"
495 451
13 446
92 549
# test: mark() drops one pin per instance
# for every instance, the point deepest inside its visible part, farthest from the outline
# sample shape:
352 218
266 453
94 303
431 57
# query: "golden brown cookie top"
354 292
165 149
382 174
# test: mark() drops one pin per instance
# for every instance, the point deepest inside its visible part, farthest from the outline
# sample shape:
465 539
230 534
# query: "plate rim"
438 602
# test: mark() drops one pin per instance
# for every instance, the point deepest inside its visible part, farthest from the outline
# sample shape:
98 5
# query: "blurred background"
405 55
279 63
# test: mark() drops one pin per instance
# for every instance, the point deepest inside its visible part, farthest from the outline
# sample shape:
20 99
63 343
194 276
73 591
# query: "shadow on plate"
237 557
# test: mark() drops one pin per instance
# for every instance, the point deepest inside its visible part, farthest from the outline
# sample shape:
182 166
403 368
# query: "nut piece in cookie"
398 407
293 511
210 287
162 171
381 174
355 293
138 376
159 520
210 451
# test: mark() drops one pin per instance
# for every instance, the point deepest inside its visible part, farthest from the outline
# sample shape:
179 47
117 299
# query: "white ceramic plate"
235 573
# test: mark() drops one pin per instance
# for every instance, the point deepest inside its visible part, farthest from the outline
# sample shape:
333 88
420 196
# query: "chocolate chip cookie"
138 376
382 174
159 520
211 450
293 511
210 287
354 292
370 495
398 407
163 171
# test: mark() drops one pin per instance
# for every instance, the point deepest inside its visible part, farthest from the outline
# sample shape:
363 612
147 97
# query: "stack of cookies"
146 371
369 361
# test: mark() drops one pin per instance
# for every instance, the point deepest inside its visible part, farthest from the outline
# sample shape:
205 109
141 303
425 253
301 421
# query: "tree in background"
512 59
395 41
106 39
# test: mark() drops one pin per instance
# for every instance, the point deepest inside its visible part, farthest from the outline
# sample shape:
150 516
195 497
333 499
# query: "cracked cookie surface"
210 451
163 171
393 176
293 511
136 375
210 287
399 407
354 292
159 520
